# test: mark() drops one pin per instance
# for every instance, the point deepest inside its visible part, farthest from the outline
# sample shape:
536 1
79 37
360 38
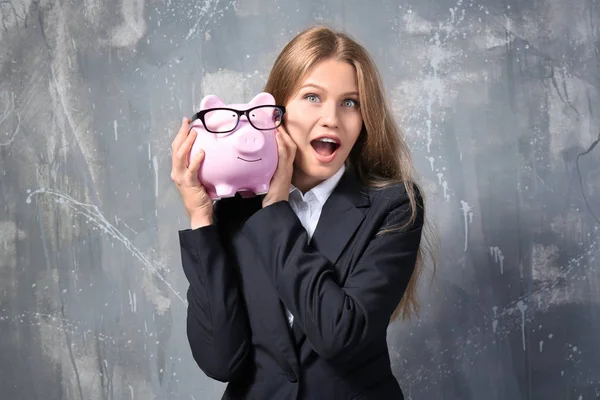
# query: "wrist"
268 202
200 220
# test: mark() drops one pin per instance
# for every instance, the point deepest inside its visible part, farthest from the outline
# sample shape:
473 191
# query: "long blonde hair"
380 156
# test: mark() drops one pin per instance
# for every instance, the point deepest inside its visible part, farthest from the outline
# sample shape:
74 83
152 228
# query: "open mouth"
325 148
243 159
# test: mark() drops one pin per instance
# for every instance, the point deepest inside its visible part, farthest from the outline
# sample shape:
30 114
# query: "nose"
330 115
249 141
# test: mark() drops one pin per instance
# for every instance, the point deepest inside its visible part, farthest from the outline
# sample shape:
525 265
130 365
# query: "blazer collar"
342 214
323 190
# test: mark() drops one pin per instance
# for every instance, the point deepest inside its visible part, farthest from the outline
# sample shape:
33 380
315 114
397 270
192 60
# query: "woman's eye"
350 103
311 97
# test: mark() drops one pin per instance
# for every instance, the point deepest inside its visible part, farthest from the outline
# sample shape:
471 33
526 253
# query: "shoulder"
400 202
396 194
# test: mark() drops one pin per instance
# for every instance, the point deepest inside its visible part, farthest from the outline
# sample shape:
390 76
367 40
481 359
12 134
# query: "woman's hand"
197 202
279 188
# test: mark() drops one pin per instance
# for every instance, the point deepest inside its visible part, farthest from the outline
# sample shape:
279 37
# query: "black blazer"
342 289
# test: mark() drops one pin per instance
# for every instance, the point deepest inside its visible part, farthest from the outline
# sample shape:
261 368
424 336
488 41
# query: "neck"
304 182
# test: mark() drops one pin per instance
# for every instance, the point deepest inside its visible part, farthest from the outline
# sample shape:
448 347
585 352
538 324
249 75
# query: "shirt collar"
325 188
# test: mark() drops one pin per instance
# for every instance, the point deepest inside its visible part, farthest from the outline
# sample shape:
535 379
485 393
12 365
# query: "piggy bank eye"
265 117
220 120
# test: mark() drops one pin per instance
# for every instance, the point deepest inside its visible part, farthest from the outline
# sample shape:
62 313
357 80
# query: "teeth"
327 140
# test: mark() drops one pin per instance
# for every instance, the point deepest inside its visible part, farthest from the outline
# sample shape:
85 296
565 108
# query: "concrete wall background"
498 99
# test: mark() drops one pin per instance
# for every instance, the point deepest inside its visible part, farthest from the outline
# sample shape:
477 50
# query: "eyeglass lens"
222 120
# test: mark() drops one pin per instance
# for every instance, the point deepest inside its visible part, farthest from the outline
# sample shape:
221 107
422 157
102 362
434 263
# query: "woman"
291 292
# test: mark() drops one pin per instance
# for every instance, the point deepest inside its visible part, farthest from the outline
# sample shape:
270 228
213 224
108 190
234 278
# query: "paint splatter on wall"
499 104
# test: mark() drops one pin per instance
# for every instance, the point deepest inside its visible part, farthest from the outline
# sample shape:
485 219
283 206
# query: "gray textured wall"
498 100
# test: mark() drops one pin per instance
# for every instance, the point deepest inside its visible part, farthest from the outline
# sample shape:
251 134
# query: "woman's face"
324 120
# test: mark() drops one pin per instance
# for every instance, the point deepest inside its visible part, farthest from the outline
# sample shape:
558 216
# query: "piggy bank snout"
249 142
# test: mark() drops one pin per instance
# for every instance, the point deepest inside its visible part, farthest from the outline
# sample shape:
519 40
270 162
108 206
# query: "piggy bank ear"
262 99
211 101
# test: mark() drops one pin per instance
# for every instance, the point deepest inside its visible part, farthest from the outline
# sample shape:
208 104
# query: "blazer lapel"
340 217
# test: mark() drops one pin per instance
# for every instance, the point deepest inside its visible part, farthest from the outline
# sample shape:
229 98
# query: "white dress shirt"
308 207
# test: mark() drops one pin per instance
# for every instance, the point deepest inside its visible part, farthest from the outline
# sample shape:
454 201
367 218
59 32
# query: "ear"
262 99
211 101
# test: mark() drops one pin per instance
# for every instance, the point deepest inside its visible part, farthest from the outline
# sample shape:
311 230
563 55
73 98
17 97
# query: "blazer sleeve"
338 321
217 327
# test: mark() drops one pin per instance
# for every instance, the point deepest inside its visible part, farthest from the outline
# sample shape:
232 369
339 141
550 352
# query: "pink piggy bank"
239 145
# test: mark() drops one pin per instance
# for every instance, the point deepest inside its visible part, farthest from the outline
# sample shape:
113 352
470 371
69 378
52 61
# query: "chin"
322 172
314 170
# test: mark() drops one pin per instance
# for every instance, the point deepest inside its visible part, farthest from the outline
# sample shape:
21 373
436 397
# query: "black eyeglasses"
224 120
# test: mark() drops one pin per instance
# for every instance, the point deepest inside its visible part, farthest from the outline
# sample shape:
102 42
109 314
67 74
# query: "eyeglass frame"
200 115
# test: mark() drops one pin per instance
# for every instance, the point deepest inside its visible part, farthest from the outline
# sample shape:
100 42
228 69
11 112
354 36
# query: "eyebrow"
323 89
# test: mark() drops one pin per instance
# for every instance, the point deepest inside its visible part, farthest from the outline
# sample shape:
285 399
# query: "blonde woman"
291 292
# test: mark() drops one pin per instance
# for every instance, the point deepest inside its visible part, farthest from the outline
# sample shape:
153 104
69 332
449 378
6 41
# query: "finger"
280 143
182 155
192 171
288 139
285 135
282 150
288 143
181 135
281 128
